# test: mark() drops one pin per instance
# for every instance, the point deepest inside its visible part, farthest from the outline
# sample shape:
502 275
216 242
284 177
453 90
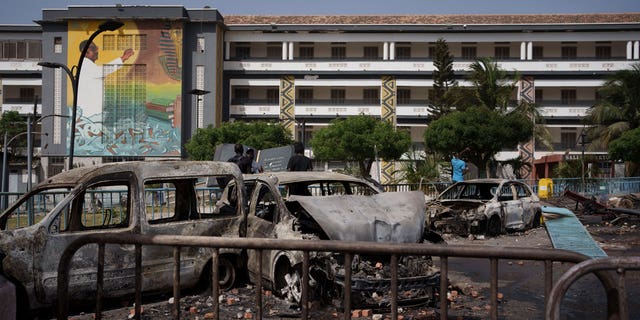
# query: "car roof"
146 169
286 177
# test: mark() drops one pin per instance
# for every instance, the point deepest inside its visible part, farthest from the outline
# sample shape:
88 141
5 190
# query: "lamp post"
109 25
4 162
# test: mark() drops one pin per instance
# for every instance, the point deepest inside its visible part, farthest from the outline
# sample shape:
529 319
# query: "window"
125 41
274 50
371 53
404 96
243 52
9 50
569 52
105 206
273 96
371 96
27 94
338 52
469 53
502 52
603 52
306 50
240 95
537 52
568 97
568 139
266 204
200 45
539 96
403 52
337 96
304 96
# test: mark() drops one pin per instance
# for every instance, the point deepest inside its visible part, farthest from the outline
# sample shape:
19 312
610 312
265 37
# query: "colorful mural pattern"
129 95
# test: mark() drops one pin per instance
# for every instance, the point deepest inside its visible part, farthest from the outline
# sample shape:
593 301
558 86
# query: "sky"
26 11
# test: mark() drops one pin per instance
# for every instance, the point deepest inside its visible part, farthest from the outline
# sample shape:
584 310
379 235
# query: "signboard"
272 159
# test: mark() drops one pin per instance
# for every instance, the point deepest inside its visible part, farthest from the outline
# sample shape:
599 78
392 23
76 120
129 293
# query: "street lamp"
4 162
109 25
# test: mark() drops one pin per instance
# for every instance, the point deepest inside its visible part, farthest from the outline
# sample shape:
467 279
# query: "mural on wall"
129 101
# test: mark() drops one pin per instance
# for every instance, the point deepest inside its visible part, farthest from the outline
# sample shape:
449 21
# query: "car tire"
288 281
494 226
226 273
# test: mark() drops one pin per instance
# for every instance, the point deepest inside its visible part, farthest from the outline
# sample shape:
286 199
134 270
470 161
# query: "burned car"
332 206
152 198
484 206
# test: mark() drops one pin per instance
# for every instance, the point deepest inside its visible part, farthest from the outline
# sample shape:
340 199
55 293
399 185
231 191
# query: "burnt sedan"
484 206
332 206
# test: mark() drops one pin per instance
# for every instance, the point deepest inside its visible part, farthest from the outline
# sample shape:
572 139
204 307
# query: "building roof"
485 19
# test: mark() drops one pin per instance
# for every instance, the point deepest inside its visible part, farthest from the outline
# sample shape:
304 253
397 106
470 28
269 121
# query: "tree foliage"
259 135
485 132
443 79
627 146
618 110
12 123
357 138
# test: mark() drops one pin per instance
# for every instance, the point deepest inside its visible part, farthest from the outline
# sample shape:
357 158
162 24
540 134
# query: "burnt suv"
152 197
332 206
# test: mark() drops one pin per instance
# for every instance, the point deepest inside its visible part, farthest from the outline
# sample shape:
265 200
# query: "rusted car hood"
460 204
385 217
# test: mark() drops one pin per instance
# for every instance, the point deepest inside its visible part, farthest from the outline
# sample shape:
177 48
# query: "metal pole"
582 163
4 173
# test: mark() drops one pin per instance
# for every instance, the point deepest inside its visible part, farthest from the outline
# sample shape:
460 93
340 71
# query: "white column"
227 49
392 51
385 51
523 50
629 50
291 50
636 50
284 50
529 50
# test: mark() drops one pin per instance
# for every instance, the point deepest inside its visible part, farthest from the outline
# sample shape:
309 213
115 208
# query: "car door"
264 210
86 211
529 205
511 206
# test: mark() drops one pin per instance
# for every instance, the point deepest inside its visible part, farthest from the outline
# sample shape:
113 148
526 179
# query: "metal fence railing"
348 248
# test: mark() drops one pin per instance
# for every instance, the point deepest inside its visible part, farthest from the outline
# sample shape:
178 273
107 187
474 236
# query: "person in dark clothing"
243 162
299 162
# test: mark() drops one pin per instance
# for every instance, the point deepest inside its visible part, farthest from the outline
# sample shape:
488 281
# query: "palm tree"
618 110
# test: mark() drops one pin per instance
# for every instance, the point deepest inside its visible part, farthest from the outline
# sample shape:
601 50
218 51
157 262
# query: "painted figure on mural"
90 86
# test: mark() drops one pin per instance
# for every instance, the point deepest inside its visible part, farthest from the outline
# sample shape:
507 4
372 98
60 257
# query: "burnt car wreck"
484 206
152 198
331 206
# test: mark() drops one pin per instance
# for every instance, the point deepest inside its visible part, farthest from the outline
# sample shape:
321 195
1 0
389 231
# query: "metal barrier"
619 264
348 248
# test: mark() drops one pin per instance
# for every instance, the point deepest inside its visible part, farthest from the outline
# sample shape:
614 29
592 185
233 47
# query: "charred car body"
154 197
332 206
484 206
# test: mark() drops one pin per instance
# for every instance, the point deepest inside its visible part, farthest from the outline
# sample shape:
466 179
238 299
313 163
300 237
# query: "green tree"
417 167
627 146
12 123
485 132
357 138
483 120
443 79
619 109
258 134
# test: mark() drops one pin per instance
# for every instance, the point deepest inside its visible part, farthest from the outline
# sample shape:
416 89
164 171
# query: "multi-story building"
20 91
306 71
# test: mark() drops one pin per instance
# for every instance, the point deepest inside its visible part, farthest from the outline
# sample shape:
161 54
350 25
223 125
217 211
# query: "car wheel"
494 226
226 273
289 282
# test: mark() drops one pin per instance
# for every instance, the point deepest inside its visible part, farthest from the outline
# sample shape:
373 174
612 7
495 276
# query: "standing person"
255 166
458 167
298 161
91 86
243 162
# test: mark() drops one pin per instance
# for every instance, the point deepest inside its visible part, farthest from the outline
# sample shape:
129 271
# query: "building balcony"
419 65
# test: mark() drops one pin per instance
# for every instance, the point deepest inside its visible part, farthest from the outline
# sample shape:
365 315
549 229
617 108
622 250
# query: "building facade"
190 68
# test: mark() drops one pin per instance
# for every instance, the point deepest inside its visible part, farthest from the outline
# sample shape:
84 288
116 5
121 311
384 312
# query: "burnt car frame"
151 197
332 206
484 206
